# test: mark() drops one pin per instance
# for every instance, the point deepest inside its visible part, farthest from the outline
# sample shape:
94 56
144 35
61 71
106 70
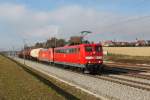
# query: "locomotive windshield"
88 48
98 48
91 48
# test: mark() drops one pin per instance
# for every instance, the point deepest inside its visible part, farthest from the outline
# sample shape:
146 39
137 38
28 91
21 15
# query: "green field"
16 84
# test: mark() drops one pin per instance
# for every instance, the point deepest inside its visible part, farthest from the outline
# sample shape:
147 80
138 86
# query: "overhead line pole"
55 36
23 51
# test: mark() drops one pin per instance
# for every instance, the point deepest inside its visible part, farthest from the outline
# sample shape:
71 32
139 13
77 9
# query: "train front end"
93 57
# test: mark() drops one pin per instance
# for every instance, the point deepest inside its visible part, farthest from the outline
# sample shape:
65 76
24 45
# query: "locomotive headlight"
99 57
99 61
89 57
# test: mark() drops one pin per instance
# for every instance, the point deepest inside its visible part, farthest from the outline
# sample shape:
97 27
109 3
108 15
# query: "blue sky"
128 6
38 20
116 5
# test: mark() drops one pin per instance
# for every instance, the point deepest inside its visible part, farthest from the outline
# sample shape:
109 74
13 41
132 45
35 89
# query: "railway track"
128 64
127 72
131 67
147 77
123 81
127 82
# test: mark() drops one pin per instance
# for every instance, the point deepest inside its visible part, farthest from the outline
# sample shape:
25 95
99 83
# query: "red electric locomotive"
88 57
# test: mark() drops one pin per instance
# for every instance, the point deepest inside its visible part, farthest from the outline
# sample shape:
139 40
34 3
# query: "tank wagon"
34 53
87 57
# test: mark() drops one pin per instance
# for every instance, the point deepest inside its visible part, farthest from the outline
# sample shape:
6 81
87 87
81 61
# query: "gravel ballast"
100 87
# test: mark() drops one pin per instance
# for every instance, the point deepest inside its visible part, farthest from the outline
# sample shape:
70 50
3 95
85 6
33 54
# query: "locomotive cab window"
98 48
88 49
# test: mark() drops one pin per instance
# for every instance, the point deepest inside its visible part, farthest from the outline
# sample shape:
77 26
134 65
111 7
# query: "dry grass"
16 84
131 51
127 59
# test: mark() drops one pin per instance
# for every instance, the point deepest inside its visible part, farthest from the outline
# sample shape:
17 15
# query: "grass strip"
17 84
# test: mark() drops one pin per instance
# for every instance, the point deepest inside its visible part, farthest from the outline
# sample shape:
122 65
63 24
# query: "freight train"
87 57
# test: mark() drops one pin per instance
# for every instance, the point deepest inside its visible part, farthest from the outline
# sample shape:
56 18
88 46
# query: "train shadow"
119 70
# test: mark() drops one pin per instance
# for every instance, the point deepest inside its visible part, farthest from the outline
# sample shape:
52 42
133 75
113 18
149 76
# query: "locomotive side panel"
46 55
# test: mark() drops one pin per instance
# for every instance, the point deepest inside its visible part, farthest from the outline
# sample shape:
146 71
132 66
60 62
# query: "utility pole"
24 42
13 52
56 32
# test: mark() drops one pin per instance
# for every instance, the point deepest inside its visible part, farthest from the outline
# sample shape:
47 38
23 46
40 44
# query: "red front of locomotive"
92 57
93 54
